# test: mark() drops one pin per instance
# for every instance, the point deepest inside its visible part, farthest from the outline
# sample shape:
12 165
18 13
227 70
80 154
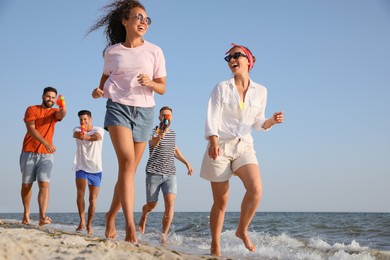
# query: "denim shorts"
138 119
154 182
35 166
94 179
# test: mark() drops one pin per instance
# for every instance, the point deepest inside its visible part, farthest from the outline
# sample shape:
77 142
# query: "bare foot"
247 242
44 221
215 251
164 239
110 227
142 222
131 235
89 230
26 219
81 226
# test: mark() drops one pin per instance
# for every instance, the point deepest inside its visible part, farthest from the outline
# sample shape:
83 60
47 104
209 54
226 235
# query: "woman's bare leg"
250 177
217 215
129 155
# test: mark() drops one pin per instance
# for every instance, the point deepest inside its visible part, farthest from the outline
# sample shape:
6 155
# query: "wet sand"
19 241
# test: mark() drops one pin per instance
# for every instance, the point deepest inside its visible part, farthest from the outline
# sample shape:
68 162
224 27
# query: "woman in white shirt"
134 69
235 107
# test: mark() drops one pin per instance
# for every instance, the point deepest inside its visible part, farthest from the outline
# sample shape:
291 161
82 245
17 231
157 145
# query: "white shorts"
234 154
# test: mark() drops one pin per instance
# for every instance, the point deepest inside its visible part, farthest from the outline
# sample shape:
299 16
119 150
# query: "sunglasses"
235 56
141 18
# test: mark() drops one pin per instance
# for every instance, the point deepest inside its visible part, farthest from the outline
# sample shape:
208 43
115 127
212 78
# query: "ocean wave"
274 239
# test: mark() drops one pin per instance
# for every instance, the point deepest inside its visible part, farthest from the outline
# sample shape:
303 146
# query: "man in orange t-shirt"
36 159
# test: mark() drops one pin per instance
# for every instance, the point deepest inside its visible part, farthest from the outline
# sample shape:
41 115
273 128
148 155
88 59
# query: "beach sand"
19 241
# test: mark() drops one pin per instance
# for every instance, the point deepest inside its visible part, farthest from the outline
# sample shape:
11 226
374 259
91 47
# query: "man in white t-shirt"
88 166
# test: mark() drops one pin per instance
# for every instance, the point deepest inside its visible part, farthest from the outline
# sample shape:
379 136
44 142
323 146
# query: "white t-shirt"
88 155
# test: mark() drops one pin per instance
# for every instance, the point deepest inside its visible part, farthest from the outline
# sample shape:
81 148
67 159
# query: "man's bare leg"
169 200
26 193
43 201
80 185
148 207
93 194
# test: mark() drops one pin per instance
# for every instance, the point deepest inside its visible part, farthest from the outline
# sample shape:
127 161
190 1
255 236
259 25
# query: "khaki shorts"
234 154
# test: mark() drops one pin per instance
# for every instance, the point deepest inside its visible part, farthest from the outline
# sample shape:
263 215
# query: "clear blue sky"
325 63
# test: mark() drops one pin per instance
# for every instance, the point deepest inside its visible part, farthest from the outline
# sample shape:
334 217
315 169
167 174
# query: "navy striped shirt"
161 158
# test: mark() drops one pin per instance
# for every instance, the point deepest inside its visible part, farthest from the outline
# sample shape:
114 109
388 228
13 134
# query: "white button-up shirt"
227 120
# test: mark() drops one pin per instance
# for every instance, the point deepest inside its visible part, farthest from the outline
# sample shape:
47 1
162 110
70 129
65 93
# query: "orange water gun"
83 128
164 124
61 101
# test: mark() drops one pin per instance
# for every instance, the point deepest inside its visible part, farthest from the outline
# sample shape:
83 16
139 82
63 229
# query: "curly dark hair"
115 13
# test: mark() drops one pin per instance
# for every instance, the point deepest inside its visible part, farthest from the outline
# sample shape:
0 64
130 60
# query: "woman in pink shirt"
134 69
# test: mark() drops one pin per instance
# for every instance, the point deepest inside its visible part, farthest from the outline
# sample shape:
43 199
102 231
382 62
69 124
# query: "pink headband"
247 53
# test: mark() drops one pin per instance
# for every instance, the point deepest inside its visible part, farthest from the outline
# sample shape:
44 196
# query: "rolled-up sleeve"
214 110
260 117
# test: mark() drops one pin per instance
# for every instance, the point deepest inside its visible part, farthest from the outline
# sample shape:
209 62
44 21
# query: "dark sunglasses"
235 56
141 18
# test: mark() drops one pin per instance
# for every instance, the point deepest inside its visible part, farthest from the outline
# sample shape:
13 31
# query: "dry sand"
18 241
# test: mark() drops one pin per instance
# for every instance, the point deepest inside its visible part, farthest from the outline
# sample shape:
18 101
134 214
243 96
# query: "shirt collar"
231 82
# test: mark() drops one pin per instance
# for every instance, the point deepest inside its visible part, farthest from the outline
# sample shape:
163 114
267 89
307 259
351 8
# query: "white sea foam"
276 235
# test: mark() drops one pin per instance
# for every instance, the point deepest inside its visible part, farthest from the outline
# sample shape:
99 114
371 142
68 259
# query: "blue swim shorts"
154 182
35 166
138 119
94 179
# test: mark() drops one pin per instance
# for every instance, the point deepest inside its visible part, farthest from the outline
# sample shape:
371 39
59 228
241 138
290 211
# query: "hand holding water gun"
81 135
60 101
83 128
164 124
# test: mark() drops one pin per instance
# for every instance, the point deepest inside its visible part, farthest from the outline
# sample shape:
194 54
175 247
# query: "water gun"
164 124
61 101
83 128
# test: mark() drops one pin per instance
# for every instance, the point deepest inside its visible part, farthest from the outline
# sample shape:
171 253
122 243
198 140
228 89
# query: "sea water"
277 235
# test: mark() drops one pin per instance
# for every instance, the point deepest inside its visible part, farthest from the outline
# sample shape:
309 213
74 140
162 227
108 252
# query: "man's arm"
95 137
156 139
178 155
61 113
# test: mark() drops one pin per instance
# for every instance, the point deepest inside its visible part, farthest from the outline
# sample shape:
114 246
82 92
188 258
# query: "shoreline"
42 242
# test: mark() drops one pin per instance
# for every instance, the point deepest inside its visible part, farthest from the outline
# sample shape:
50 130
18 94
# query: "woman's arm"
158 85
98 92
276 118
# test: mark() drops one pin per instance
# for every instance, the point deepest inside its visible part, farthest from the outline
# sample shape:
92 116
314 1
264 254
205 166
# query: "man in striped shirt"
161 173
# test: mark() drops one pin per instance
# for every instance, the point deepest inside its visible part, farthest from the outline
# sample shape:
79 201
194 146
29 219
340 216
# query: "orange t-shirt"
45 120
